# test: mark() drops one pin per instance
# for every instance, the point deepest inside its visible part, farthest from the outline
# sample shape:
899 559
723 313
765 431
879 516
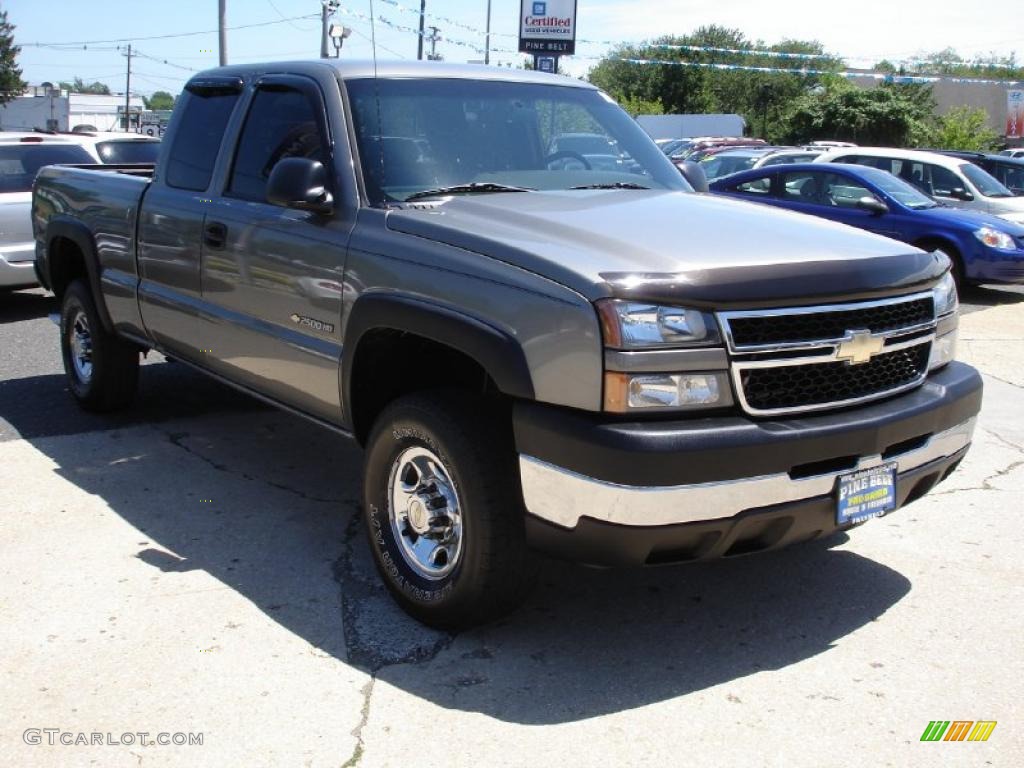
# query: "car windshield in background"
116 151
717 166
19 163
420 135
986 184
899 190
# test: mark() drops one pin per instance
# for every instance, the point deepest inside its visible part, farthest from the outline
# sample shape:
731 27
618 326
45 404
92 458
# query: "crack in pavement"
377 633
357 753
177 439
986 482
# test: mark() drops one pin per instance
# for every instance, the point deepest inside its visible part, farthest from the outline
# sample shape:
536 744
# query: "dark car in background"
723 162
983 248
1008 170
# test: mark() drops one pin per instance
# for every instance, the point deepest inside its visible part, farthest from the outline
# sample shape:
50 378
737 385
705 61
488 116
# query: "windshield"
899 190
983 182
19 163
423 134
128 151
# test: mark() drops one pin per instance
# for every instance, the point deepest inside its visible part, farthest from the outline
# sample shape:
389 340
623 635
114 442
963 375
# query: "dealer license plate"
866 494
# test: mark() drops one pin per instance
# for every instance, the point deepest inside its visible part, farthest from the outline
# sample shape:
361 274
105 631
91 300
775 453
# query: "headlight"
676 391
945 295
637 325
993 238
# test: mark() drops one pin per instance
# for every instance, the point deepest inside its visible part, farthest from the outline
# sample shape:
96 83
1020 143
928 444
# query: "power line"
167 37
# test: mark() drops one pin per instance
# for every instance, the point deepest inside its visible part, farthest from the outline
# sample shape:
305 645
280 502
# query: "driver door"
273 276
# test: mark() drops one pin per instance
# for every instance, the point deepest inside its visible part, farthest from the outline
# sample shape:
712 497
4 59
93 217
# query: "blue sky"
868 28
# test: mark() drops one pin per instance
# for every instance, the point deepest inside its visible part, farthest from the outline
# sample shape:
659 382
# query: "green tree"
949 62
11 84
159 100
79 87
684 76
889 115
635 106
965 128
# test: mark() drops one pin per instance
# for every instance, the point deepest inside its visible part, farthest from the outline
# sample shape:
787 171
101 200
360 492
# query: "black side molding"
71 229
496 351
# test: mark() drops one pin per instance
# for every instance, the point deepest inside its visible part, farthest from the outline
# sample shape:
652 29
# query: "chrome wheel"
424 511
80 342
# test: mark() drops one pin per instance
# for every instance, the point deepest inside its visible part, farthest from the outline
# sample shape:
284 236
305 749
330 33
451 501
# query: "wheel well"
67 263
390 363
933 243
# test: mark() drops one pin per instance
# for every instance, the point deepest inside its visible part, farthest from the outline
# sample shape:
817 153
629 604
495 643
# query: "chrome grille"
810 326
814 358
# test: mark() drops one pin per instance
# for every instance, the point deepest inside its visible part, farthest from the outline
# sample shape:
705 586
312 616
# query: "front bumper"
17 265
617 493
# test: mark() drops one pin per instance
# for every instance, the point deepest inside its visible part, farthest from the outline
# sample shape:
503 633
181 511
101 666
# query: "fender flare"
497 352
78 233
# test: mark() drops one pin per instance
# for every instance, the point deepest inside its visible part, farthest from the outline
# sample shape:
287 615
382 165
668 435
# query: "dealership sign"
547 27
1014 114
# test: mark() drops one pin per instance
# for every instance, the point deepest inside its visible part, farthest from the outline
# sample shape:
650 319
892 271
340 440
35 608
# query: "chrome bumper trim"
563 497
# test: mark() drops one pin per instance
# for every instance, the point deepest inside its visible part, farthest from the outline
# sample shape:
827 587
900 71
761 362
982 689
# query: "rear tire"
443 509
102 370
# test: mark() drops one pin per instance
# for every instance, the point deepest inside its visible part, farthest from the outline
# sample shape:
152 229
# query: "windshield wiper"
476 187
612 185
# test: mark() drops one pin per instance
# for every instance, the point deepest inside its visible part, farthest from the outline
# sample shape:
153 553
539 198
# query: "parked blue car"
983 248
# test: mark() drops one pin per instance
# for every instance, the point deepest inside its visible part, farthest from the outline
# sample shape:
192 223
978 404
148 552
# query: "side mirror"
960 193
694 174
300 182
872 205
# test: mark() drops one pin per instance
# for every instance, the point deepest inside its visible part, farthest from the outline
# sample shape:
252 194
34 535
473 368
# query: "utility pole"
222 15
327 9
487 36
128 93
434 37
419 47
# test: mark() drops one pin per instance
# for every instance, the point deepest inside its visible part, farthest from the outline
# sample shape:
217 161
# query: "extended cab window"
197 139
281 123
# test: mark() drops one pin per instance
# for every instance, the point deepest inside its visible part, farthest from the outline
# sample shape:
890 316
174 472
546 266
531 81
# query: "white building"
56 110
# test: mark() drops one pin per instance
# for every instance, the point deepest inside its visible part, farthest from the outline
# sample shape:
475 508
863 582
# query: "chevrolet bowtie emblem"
860 347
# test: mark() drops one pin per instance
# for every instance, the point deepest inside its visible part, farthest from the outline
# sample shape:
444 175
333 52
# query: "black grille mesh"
795 386
775 329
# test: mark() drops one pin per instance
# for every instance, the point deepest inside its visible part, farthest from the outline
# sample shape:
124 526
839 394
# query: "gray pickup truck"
535 353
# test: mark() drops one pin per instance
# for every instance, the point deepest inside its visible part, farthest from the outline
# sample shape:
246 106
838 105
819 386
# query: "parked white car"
1018 152
950 180
21 157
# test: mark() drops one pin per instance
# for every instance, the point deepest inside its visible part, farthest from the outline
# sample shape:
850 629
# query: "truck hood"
673 246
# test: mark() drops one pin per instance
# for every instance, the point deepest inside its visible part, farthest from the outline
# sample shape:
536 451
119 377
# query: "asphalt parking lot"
196 566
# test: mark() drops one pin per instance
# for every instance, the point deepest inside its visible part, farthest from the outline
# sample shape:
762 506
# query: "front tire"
102 370
443 509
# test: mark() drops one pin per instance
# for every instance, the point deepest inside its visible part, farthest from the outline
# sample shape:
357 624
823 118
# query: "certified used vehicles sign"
547 26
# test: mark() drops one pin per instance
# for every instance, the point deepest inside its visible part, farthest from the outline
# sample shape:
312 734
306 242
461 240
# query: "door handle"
215 234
